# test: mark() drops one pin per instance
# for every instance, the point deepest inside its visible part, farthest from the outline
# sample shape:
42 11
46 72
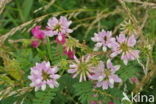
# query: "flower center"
57 27
45 75
105 38
124 47
83 67
107 72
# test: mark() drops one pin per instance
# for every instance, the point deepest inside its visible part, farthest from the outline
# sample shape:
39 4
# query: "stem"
48 49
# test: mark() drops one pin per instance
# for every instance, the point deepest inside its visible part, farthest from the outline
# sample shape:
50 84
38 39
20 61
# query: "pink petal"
121 38
131 41
72 70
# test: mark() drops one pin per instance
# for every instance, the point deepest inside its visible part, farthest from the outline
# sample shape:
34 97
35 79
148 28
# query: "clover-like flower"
125 46
42 75
103 39
58 26
81 67
105 74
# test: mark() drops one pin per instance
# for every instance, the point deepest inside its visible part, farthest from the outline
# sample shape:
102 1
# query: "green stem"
49 49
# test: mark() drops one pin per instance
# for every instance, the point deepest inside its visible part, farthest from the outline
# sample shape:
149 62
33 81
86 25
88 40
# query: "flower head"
37 32
81 67
125 46
103 39
43 74
105 75
56 27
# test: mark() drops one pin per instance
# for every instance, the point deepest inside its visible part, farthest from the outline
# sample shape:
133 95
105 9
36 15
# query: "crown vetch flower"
105 74
43 74
56 27
38 33
125 46
81 67
104 39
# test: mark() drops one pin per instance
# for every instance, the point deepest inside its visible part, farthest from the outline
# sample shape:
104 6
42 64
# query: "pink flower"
37 32
69 53
61 39
103 39
56 27
125 46
43 74
81 67
35 43
105 75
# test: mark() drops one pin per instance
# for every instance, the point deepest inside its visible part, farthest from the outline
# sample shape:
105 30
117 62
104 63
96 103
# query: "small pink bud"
35 43
61 39
69 53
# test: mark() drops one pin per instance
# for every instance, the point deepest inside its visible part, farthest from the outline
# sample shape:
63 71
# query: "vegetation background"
18 17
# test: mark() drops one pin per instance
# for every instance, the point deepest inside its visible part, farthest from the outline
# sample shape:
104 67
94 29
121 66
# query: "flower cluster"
81 67
119 45
85 68
105 75
55 27
58 27
42 75
125 46
103 39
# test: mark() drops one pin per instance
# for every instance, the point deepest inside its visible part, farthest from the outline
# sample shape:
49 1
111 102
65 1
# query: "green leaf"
84 91
44 97
27 5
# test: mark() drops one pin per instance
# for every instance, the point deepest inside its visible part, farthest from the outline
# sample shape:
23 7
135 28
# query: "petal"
109 64
135 53
43 87
72 70
98 44
131 41
36 88
73 66
105 85
76 59
52 22
115 53
125 62
56 76
80 80
37 81
99 84
96 49
121 38
104 48
116 67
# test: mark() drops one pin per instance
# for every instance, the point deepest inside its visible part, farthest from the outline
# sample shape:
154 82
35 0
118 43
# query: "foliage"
17 56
